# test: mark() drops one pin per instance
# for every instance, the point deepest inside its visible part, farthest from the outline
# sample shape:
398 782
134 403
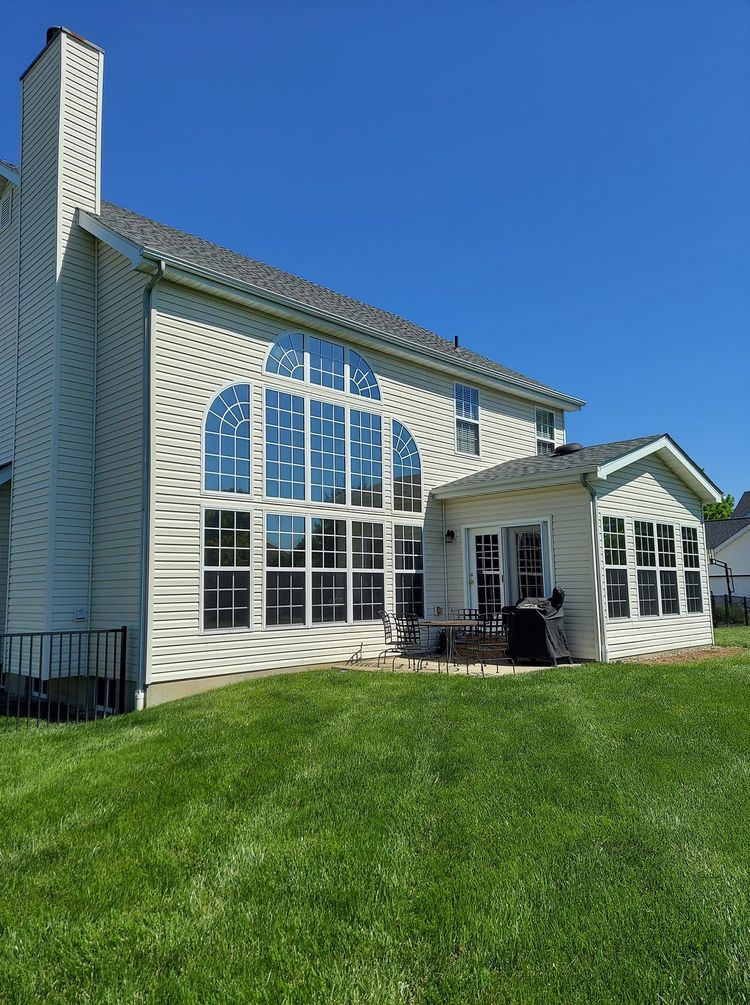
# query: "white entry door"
505 564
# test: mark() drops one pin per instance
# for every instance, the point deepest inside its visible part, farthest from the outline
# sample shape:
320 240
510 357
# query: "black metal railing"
730 610
62 677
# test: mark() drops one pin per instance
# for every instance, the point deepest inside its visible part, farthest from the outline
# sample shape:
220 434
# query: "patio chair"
390 634
409 641
487 645
464 614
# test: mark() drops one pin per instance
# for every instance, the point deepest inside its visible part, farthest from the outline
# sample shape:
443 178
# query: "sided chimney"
61 94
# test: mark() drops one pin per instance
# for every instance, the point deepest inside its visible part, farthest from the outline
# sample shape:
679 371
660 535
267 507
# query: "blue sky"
563 184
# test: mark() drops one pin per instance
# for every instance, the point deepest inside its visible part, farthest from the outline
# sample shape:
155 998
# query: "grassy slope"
734 636
577 835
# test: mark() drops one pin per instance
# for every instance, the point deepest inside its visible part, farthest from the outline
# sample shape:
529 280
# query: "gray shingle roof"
583 460
719 531
158 237
742 509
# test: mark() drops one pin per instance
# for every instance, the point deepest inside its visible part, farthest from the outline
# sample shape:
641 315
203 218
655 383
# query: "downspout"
599 582
148 303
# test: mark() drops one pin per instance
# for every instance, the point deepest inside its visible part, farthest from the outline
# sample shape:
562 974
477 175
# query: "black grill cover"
536 628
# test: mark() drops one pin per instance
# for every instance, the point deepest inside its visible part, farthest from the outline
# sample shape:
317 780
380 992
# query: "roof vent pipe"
567 448
455 341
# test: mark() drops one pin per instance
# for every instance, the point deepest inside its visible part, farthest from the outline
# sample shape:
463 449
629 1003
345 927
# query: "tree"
720 510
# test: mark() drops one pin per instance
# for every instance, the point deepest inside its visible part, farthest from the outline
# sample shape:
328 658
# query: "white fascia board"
129 249
676 459
517 485
9 174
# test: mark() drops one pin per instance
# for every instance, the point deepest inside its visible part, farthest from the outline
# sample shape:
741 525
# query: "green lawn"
734 636
574 835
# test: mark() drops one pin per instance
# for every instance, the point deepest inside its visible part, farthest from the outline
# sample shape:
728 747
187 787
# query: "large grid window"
366 458
285 570
545 431
285 445
467 419
645 560
226 569
226 445
329 576
615 561
319 362
327 452
665 543
368 576
407 471
326 363
691 562
409 571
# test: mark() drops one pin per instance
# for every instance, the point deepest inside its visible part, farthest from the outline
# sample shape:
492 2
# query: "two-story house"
245 468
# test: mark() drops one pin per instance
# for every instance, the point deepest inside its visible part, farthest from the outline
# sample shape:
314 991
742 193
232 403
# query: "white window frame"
647 568
692 567
305 503
313 388
663 567
213 504
460 418
616 567
348 517
218 494
540 412
399 524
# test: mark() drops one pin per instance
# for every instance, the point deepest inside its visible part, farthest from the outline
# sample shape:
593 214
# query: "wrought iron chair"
390 633
487 645
409 641
465 614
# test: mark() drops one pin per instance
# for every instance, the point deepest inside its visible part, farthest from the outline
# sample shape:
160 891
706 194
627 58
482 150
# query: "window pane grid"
690 553
467 419
409 571
287 358
545 431
327 452
618 605
366 458
407 471
322 363
226 565
226 453
326 363
665 544
614 540
285 445
670 602
368 587
362 380
693 591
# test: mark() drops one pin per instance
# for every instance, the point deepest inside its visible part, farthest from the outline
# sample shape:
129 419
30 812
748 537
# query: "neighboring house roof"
598 461
161 241
718 532
742 509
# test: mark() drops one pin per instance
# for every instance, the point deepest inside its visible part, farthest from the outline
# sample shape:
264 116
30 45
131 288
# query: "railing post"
123 667
726 608
744 602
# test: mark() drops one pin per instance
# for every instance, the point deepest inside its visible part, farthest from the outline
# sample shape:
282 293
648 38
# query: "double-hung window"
645 560
286 560
409 571
615 567
692 563
226 569
467 419
545 431
670 600
369 576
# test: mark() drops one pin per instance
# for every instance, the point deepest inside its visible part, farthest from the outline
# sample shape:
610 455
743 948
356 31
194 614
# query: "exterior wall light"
450 536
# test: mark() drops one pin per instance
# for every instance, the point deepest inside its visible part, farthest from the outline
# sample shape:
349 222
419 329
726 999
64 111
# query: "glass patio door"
485 571
506 564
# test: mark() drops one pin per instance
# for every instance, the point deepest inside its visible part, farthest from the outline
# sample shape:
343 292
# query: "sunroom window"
615 567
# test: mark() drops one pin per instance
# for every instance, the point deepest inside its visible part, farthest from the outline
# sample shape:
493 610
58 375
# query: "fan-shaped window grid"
322 363
409 571
407 471
227 441
226 569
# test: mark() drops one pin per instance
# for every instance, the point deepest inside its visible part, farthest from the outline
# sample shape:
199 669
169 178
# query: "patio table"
451 626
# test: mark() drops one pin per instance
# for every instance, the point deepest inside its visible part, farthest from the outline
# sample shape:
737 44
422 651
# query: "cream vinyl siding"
116 566
53 476
8 319
32 474
567 510
4 543
648 490
200 345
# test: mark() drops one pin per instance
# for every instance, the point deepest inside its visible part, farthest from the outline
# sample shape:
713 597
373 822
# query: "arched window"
287 357
407 471
362 380
317 361
226 454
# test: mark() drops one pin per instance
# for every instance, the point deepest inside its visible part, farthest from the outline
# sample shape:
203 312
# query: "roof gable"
142 236
720 532
742 509
597 461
